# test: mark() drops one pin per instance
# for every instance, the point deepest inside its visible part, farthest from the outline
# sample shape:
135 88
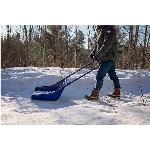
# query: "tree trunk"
30 34
26 49
135 45
144 48
148 41
44 48
75 52
88 39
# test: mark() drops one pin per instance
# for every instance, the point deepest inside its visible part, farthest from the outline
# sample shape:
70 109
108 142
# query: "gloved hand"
92 55
96 58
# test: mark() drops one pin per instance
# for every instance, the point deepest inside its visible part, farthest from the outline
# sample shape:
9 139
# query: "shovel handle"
80 69
82 75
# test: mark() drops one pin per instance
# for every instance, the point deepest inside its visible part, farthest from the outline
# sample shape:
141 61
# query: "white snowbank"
19 83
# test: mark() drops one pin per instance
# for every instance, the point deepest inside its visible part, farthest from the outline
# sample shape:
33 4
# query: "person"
106 53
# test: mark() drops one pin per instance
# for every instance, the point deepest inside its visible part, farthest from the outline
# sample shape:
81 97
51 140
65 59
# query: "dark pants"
107 67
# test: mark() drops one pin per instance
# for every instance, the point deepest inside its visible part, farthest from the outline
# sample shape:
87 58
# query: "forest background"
68 46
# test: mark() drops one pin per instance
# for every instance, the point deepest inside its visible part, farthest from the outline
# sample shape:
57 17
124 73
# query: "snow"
18 84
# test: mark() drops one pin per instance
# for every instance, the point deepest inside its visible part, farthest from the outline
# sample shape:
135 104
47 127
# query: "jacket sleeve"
107 42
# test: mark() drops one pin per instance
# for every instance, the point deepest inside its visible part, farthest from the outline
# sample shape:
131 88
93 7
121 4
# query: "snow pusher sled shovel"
53 92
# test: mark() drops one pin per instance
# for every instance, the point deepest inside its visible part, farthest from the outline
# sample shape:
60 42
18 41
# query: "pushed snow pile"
18 84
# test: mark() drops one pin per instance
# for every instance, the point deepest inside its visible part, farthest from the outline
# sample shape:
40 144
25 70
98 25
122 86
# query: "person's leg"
103 70
113 76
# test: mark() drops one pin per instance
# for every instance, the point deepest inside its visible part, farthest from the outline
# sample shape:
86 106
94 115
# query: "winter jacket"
106 48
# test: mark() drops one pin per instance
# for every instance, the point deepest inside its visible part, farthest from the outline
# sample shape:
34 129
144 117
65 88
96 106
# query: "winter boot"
116 93
93 96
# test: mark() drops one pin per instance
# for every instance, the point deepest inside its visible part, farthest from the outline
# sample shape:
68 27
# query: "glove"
96 58
92 55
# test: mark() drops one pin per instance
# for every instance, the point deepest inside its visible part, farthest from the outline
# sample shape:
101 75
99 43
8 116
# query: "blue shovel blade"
53 96
54 87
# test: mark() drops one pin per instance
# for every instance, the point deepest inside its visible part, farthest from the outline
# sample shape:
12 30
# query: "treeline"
70 46
134 46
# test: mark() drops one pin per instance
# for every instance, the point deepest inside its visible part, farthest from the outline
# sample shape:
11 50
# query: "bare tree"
135 46
27 44
144 47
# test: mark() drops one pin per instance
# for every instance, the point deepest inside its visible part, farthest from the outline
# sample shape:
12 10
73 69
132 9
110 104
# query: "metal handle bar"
82 75
80 69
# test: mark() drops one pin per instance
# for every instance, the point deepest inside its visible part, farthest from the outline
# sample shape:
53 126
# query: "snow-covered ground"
18 84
